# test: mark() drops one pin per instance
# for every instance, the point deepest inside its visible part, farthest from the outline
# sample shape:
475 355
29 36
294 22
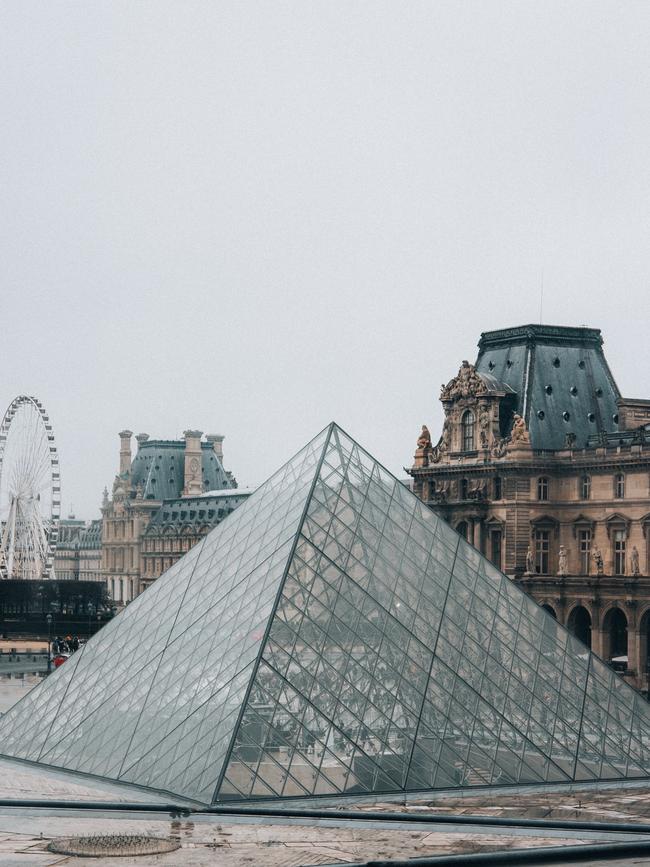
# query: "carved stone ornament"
436 454
499 447
563 565
467 384
634 561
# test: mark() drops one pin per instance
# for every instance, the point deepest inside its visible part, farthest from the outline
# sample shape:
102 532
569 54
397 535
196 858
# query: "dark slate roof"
159 467
562 380
90 539
194 511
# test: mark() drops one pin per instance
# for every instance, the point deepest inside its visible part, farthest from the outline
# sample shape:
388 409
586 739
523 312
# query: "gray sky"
252 218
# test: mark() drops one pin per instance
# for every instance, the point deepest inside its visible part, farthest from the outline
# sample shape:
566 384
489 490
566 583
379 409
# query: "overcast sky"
252 218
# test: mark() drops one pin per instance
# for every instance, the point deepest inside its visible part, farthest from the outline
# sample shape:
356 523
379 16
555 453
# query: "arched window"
619 486
579 624
467 425
615 629
542 488
585 487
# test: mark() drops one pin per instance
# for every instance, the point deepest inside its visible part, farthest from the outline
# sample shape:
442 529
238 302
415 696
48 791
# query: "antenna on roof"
541 296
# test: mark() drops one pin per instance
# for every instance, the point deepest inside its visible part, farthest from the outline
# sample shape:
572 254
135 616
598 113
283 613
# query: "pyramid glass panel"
333 637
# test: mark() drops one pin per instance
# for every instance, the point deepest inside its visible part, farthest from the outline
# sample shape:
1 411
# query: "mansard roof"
194 512
563 383
159 469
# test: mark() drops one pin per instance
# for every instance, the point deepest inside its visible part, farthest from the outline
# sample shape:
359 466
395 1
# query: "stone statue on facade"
634 561
598 560
424 440
483 426
563 562
530 561
519 433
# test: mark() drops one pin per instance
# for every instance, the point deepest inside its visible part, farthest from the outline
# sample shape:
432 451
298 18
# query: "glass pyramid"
332 637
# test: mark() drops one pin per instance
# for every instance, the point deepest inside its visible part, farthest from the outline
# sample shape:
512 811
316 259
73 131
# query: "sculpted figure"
634 561
424 440
519 432
466 384
563 562
598 560
530 562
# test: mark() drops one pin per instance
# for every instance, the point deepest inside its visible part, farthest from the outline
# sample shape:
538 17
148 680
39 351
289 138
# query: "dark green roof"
561 378
194 511
159 468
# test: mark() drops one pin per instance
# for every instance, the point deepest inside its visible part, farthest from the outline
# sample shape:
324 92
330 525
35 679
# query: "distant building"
545 468
78 550
164 500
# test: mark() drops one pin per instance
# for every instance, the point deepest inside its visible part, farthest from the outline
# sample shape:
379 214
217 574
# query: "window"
464 489
542 546
585 551
467 426
619 486
495 548
619 552
498 493
585 487
542 488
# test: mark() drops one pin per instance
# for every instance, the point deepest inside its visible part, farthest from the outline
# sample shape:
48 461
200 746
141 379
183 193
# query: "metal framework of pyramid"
332 637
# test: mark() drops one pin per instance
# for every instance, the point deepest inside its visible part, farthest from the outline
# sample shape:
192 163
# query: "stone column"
598 642
193 464
125 451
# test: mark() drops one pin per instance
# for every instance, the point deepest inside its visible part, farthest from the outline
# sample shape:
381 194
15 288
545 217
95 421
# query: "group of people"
65 645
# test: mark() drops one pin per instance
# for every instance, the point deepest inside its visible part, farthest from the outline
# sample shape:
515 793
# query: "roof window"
581 364
556 362
599 392
573 390
566 416
615 418
508 363
591 417
540 414
548 389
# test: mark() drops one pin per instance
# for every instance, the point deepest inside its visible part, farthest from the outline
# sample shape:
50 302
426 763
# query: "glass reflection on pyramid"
332 637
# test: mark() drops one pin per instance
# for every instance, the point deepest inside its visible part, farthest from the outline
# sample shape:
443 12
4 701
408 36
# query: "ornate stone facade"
166 477
546 469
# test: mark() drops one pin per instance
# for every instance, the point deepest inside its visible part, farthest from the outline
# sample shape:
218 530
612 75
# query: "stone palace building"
545 467
164 500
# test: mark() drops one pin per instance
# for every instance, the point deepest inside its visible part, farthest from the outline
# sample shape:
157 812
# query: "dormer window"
468 431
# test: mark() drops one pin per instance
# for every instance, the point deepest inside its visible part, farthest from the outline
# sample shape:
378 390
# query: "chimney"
125 451
217 444
193 464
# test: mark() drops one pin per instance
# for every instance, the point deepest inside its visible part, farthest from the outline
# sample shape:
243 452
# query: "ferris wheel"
30 491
